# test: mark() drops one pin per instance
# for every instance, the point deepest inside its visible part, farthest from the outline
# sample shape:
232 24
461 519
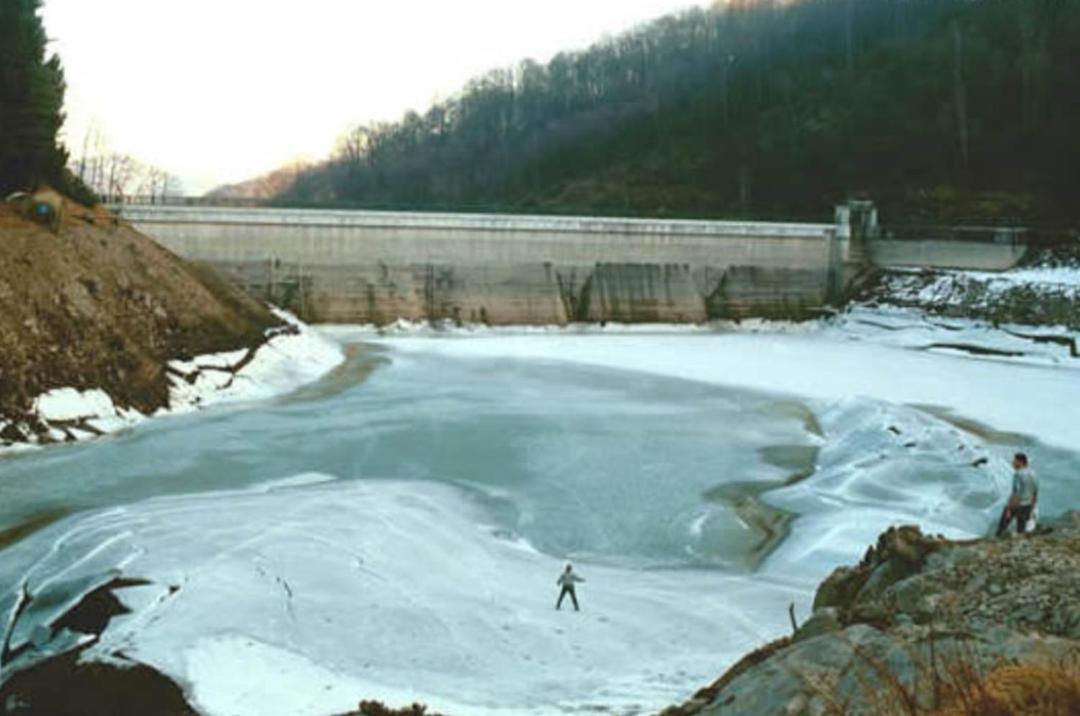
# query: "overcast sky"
221 90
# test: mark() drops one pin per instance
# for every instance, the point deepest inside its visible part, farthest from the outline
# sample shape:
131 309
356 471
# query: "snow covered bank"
915 330
289 358
286 361
1034 295
938 286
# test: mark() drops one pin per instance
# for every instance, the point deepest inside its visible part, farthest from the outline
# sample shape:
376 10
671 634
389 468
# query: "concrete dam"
375 267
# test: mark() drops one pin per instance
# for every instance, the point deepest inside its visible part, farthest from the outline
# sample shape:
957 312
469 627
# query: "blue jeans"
1022 513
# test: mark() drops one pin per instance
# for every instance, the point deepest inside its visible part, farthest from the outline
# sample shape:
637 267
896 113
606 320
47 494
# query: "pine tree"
31 101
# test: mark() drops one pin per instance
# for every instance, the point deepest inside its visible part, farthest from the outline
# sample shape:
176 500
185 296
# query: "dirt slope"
99 305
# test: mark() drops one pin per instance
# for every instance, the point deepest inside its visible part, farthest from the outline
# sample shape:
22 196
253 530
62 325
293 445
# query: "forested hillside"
31 105
937 109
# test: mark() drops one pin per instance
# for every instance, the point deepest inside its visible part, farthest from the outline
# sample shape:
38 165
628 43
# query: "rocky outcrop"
925 625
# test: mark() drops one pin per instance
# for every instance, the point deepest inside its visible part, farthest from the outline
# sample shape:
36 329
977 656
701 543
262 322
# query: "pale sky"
219 91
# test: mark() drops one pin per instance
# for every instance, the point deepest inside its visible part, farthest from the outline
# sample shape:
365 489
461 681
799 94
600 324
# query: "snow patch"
978 289
237 674
72 404
288 359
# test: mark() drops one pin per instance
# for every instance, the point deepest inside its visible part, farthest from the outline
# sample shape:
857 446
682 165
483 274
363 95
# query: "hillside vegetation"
938 109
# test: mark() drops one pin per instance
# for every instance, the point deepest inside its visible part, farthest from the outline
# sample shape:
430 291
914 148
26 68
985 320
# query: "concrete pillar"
856 228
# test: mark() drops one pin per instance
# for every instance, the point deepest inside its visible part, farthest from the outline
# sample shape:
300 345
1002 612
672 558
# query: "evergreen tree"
31 101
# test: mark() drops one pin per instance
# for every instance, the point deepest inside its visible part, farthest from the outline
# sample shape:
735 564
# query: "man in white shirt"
566 580
1024 496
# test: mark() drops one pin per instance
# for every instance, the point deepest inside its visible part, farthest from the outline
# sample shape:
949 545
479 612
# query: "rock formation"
925 625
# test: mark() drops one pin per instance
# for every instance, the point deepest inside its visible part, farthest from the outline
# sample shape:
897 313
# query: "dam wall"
970 248
376 267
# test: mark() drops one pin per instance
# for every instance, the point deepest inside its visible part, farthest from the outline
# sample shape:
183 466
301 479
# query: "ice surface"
883 465
829 364
912 329
343 590
399 538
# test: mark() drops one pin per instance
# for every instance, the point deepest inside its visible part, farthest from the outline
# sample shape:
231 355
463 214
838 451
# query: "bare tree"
960 92
353 148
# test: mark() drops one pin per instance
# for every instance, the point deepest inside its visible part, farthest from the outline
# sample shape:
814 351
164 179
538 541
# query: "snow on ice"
302 598
833 361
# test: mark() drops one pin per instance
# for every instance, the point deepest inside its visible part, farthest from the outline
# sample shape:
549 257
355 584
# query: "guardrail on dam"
366 266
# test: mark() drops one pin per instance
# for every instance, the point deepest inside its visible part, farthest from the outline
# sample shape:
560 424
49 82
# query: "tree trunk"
960 93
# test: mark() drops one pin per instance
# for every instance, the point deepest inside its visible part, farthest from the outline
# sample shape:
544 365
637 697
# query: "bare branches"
120 178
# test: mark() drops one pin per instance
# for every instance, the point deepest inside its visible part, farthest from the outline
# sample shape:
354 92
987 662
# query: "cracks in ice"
7 654
283 583
1066 341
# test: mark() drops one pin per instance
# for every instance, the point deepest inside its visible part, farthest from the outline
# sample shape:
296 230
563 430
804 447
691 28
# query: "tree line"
934 108
31 105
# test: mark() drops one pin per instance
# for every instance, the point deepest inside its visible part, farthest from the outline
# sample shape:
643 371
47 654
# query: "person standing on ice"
1024 496
566 580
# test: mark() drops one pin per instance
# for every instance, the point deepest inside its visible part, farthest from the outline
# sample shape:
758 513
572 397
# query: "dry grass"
1015 689
952 684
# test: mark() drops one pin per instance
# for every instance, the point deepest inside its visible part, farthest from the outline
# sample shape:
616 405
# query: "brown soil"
62 686
98 305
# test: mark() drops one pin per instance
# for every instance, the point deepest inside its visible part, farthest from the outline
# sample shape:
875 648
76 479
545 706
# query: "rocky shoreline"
925 625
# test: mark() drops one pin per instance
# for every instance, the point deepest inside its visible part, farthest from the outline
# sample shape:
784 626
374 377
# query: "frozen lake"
395 530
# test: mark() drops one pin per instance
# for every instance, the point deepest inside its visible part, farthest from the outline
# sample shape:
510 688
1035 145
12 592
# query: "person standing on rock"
566 580
1022 499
